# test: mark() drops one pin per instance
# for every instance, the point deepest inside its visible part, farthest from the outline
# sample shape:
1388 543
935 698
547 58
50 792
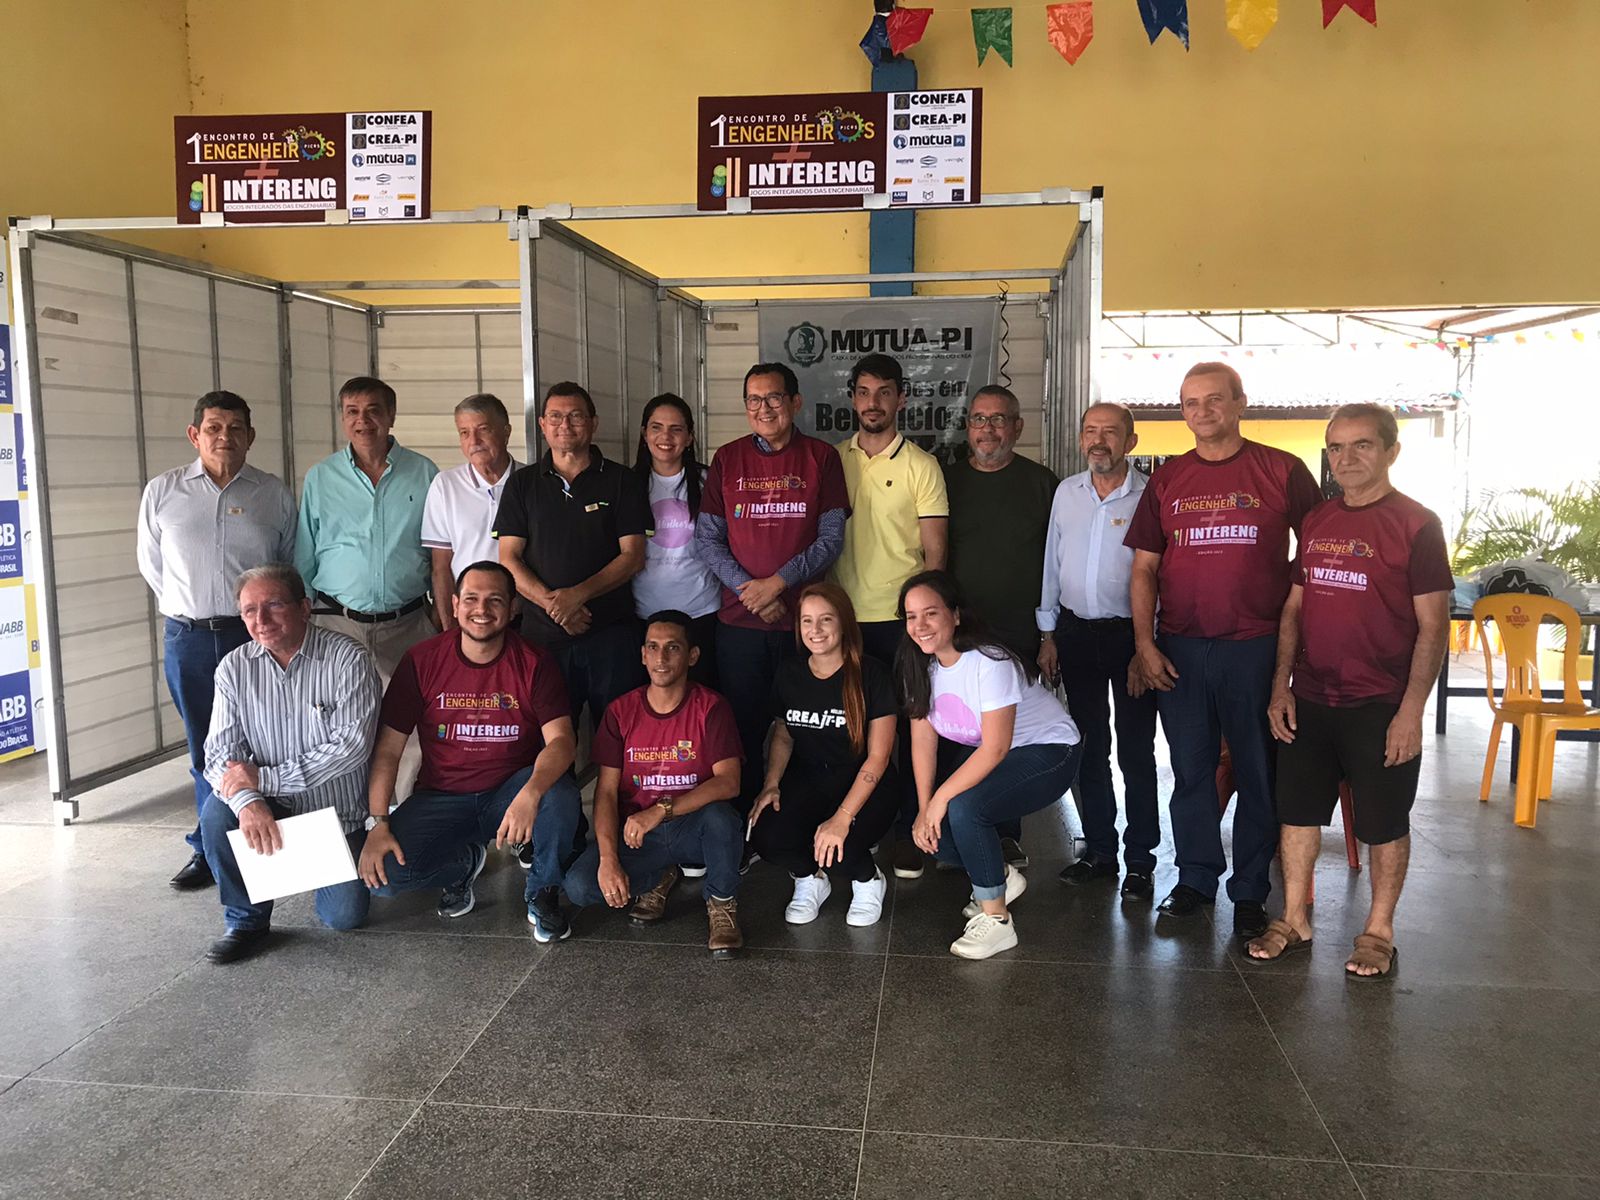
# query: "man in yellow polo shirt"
899 525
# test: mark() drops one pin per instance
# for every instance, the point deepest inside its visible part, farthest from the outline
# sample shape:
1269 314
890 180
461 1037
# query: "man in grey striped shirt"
292 729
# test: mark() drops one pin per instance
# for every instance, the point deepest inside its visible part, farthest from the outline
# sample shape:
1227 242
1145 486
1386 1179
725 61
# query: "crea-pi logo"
805 344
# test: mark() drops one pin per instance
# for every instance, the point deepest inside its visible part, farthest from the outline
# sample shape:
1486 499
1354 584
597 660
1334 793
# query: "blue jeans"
189 661
1222 691
1094 656
713 835
747 661
437 830
339 906
1027 779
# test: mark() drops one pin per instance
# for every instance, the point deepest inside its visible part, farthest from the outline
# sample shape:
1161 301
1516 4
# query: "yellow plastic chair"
1516 620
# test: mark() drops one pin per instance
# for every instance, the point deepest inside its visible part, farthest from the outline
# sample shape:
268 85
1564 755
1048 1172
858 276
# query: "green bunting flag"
991 30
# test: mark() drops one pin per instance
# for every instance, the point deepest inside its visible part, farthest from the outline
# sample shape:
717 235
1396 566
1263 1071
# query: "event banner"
946 349
19 634
301 166
831 150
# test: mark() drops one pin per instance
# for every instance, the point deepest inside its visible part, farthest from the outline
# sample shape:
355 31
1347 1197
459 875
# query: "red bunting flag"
906 27
1071 27
1367 10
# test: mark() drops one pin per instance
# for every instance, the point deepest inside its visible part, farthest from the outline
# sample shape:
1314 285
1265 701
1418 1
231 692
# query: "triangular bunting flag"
991 30
906 27
1159 15
1249 21
875 43
1071 27
1367 10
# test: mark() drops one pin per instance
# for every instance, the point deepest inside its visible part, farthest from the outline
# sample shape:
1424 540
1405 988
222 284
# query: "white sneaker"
866 900
809 893
1016 884
984 937
693 871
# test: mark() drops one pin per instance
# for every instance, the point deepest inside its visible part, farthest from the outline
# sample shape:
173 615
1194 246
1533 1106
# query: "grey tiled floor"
1106 1057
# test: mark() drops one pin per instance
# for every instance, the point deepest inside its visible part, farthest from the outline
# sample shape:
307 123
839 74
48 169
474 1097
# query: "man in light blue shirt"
360 545
1085 616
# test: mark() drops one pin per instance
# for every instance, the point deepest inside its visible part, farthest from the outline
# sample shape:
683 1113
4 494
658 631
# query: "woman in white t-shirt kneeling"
989 744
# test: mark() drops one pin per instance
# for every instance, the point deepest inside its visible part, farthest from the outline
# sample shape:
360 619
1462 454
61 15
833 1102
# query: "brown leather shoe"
652 906
723 916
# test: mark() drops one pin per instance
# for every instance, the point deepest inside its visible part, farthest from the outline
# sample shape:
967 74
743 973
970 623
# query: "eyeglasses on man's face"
989 420
773 400
567 418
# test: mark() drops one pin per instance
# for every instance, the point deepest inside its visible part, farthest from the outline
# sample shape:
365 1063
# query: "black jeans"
807 798
598 667
880 640
747 661
1094 656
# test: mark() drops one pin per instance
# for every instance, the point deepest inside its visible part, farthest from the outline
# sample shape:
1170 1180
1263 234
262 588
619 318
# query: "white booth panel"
500 363
558 314
311 385
603 357
247 354
639 325
431 361
732 348
172 317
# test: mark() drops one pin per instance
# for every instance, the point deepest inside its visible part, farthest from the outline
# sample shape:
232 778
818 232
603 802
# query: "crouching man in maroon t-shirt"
1362 638
496 735
669 768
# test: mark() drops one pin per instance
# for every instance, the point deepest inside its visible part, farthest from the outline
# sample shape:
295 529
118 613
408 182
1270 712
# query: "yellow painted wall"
1447 156
88 91
1299 437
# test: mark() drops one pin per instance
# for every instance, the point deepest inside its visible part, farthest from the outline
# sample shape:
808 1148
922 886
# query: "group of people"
798 653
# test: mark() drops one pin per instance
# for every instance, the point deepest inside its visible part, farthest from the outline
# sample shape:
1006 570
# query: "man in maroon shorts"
1360 644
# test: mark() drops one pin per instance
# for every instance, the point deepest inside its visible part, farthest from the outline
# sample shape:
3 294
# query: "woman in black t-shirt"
830 792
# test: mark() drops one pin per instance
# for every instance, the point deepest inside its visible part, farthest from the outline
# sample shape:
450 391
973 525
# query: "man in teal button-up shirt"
360 544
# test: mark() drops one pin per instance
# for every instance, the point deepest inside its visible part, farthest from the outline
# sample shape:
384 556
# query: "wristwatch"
374 822
666 808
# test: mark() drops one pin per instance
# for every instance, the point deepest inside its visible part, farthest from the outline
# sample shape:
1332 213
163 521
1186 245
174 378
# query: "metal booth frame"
1072 310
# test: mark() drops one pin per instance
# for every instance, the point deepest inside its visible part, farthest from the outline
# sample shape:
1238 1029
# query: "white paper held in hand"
314 855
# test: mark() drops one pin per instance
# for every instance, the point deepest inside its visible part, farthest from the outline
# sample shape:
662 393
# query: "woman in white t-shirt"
673 576
989 744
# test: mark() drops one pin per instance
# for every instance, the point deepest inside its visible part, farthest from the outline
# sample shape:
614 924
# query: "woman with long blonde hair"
830 791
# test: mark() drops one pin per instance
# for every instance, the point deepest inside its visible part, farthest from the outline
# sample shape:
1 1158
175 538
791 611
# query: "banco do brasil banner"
831 150
301 166
947 350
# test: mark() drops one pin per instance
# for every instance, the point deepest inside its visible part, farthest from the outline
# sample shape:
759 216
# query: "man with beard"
999 515
899 525
497 741
1087 622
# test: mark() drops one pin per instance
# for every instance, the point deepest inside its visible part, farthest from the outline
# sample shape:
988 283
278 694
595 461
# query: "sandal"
1281 938
1371 951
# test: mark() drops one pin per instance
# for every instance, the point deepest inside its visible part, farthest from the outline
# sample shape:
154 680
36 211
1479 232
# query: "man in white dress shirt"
292 732
458 516
200 526
1086 621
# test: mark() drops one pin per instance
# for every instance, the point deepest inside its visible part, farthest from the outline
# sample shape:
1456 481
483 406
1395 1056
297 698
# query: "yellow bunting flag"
1249 21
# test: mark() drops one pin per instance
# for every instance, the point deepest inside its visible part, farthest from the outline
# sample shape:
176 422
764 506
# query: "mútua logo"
899 141
805 344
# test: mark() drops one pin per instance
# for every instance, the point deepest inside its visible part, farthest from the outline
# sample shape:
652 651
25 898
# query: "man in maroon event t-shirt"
772 516
1362 639
496 734
1211 542
669 765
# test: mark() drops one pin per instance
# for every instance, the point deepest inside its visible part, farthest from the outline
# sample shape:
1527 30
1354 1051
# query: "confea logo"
806 344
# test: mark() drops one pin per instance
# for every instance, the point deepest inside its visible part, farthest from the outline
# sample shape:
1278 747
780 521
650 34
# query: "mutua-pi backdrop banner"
947 349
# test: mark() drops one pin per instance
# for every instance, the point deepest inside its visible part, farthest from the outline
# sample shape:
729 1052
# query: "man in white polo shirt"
458 516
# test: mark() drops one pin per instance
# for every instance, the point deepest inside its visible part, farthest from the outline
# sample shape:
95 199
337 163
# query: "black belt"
335 609
211 623
1072 616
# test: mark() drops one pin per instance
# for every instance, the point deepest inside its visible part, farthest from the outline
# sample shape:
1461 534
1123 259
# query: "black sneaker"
1138 886
545 915
1087 870
525 855
906 860
459 900
1249 919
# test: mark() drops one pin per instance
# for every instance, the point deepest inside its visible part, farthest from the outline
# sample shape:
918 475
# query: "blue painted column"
892 236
